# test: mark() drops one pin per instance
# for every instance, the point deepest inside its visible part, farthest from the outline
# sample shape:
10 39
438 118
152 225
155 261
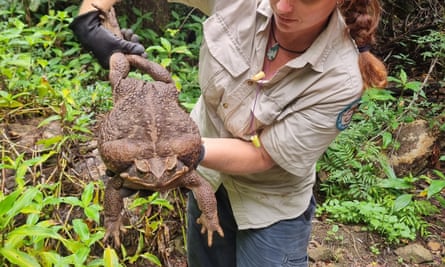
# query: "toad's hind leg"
113 205
156 71
206 200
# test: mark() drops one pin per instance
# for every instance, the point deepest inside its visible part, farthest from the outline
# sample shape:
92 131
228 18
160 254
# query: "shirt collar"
265 11
329 38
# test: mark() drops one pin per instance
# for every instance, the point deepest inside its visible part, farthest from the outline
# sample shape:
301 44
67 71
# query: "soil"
351 246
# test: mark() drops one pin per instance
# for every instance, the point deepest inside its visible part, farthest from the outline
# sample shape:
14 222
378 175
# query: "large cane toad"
150 143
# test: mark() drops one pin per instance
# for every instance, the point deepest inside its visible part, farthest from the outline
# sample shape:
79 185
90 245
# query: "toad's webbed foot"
113 228
210 224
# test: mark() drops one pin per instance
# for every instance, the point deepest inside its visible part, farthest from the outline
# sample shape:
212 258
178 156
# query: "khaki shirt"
297 113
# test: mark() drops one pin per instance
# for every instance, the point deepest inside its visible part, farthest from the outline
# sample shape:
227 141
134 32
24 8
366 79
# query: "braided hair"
362 18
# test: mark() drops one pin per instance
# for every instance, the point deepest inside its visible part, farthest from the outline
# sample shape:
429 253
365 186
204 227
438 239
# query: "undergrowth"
361 186
50 215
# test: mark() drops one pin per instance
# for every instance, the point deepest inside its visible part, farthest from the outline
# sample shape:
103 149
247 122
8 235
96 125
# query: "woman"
280 80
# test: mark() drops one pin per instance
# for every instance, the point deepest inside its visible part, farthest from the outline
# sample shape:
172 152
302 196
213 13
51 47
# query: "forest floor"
349 245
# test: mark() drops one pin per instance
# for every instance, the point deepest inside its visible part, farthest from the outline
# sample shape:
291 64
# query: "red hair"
362 18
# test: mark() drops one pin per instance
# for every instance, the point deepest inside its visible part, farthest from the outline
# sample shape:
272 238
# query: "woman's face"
297 15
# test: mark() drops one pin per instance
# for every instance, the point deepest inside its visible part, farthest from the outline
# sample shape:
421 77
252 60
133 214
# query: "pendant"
273 51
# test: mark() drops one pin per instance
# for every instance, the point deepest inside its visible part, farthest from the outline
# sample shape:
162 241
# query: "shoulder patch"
345 116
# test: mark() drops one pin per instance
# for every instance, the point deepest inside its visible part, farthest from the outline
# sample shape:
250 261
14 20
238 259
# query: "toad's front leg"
119 155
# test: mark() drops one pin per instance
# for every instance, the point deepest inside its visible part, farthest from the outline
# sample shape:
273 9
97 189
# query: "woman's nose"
284 6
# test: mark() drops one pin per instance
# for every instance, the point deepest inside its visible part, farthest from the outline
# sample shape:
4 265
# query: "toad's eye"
170 163
142 166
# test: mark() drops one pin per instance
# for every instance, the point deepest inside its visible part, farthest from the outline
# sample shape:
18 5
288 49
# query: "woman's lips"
284 21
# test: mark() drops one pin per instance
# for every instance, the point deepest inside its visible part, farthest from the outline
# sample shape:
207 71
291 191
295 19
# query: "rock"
321 254
434 245
414 253
416 143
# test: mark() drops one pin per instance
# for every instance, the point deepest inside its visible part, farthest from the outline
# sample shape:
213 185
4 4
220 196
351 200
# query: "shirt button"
225 105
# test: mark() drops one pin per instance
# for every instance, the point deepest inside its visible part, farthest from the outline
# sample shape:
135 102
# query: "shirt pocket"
223 46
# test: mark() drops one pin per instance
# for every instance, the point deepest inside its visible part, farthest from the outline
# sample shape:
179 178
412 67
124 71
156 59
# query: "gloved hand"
94 37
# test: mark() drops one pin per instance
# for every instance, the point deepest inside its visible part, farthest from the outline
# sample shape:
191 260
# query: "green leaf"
10 103
81 255
38 160
166 44
377 95
53 258
152 258
414 86
48 120
33 231
402 201
8 202
93 212
435 187
34 5
158 48
81 229
32 218
403 76
387 139
154 199
74 201
439 173
24 61
165 62
23 201
388 169
48 142
395 183
188 106
182 50
18 257
110 258
163 203
72 245
87 194
20 175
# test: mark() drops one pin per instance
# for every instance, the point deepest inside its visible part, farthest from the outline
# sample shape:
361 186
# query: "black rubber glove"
103 43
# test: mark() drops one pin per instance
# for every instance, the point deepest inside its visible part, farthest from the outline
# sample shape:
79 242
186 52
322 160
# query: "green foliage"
45 72
180 55
333 234
375 216
362 187
177 49
434 45
36 232
37 72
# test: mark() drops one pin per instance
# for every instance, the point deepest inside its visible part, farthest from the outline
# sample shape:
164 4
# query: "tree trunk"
134 9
